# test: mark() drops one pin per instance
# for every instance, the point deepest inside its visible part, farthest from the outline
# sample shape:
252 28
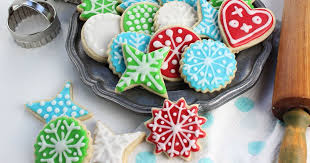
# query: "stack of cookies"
148 42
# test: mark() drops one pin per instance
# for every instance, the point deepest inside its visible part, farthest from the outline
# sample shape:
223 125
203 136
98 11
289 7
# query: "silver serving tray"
102 81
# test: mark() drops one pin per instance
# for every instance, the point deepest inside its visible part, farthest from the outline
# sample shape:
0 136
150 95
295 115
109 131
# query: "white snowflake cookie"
63 140
175 13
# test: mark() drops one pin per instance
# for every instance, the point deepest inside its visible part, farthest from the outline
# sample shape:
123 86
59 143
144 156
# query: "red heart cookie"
177 38
243 27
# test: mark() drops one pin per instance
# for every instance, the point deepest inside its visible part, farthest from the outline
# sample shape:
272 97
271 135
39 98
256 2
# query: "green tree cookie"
217 3
62 140
139 18
90 8
143 69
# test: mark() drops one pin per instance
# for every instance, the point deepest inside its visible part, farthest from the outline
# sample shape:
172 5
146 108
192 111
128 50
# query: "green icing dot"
94 7
139 18
61 140
217 3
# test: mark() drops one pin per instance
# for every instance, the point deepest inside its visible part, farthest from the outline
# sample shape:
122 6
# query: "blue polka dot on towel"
205 160
244 104
255 147
210 120
145 157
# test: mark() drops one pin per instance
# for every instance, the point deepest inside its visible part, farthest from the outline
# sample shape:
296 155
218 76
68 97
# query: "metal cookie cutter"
20 10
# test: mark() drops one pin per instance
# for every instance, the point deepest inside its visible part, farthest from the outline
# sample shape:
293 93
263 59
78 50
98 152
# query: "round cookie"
177 38
139 41
175 13
124 4
63 140
139 18
89 8
96 34
208 66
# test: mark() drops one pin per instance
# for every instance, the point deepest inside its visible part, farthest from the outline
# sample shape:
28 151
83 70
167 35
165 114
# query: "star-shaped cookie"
112 148
143 69
207 26
62 104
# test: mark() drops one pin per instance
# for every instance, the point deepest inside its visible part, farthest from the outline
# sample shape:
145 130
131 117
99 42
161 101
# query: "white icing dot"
60 103
129 12
39 111
65 109
144 26
166 116
54 102
177 143
56 110
175 62
223 61
131 17
148 84
234 23
157 77
160 130
46 116
160 36
149 9
74 153
172 71
146 15
142 10
76 136
167 42
195 61
190 120
129 23
180 30
44 154
163 138
174 114
42 103
136 21
131 28
135 10
162 122
184 140
59 95
67 85
73 114
129 59
201 73
190 127
62 127
195 68
67 96
68 102
147 32
82 112
210 75
73 107
49 109
188 135
218 71
150 20
257 20
143 20
138 26
178 39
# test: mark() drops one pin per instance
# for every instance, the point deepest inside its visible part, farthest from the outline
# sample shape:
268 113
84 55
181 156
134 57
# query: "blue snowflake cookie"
208 66
124 4
61 105
139 41
207 25
192 3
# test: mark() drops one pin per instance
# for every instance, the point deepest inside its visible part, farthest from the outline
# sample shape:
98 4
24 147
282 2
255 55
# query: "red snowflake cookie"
176 128
178 38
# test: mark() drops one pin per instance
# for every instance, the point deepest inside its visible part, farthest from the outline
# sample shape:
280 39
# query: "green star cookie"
89 8
217 3
143 69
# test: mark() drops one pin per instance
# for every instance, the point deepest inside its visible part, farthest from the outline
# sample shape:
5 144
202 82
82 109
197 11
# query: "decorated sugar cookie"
208 66
242 27
111 148
124 4
192 3
139 41
61 105
175 129
89 8
207 26
63 140
96 34
175 13
139 18
177 38
143 69
217 3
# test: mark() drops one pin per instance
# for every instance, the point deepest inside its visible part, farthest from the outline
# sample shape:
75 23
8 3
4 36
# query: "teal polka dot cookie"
139 18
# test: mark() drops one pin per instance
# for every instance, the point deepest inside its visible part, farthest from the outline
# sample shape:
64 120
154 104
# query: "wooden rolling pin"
291 98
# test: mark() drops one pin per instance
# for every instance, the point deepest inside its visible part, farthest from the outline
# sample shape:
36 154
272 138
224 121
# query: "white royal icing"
99 30
109 147
176 13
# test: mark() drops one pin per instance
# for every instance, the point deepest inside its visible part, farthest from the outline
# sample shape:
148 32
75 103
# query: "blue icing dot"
205 160
59 106
210 120
255 147
192 3
139 41
244 104
126 3
145 157
208 26
208 65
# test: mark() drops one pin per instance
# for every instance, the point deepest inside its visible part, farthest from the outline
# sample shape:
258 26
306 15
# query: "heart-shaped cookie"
242 27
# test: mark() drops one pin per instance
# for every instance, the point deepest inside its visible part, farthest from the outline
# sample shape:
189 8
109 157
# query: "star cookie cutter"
22 9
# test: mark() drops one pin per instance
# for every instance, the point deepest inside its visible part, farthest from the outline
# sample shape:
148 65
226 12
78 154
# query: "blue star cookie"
208 66
192 3
139 41
124 4
61 105
207 25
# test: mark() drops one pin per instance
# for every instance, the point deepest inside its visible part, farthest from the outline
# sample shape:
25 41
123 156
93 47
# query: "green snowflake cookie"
143 69
90 8
217 3
139 18
62 140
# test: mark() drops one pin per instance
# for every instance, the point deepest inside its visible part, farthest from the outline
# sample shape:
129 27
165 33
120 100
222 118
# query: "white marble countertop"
35 74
